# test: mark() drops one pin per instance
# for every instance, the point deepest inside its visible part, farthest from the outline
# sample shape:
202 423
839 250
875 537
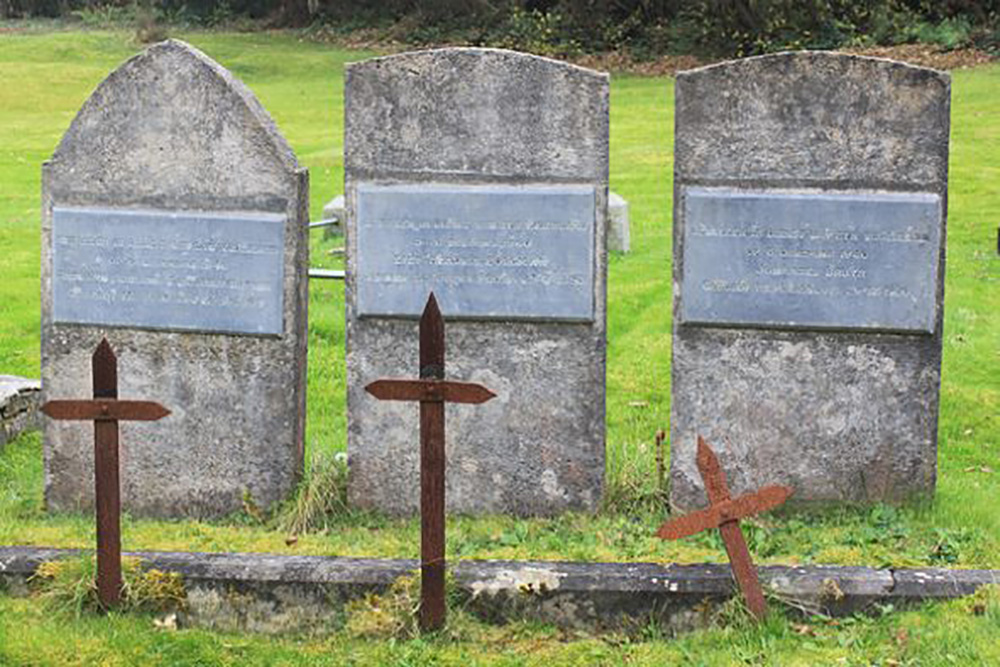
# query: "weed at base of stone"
321 497
70 586
395 614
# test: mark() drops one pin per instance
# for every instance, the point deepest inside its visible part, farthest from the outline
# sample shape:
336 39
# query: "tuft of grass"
69 585
635 482
985 602
733 614
320 499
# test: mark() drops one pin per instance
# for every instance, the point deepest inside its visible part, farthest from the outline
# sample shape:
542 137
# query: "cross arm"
102 409
729 510
447 391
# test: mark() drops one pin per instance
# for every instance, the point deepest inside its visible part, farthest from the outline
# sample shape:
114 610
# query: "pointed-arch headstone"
174 219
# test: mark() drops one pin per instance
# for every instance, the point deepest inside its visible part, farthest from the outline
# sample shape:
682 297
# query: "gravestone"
810 201
618 229
480 174
174 223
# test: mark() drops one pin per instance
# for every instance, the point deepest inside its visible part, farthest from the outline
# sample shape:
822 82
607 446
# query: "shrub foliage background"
643 28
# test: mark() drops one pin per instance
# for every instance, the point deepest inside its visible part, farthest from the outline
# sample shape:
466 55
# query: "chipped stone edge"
272 593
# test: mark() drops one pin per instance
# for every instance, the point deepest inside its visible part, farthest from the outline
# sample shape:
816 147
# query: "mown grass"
960 632
47 76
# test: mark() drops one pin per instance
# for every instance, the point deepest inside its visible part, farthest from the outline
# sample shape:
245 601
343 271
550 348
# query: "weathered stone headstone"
810 202
174 223
482 175
618 229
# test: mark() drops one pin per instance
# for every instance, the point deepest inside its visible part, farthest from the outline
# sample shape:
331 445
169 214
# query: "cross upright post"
725 513
106 411
433 391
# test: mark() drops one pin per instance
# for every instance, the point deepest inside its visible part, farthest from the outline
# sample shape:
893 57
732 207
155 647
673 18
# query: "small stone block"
618 224
335 209
19 406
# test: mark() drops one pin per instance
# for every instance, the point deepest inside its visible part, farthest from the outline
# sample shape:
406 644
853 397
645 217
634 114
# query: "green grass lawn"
47 75
945 634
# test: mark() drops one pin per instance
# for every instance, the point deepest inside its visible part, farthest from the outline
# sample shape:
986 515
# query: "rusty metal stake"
725 513
433 391
661 471
106 411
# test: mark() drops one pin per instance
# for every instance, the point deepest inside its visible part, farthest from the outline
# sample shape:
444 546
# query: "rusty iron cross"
725 513
106 411
433 391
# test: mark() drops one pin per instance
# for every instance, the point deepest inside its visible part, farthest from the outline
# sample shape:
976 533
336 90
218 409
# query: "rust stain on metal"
446 391
711 517
724 513
661 470
105 410
432 391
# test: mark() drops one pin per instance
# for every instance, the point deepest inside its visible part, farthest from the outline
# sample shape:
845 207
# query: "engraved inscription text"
165 270
486 251
823 260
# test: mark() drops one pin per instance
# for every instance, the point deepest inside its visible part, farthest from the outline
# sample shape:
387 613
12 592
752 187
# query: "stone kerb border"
276 593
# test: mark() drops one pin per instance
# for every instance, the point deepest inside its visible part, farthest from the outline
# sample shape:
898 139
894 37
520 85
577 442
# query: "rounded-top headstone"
174 223
478 113
813 116
480 175
809 218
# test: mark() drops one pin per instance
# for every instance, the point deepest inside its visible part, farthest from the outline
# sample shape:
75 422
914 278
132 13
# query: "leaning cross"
433 391
725 513
106 411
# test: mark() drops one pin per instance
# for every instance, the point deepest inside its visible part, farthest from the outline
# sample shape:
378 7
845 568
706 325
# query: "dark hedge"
642 27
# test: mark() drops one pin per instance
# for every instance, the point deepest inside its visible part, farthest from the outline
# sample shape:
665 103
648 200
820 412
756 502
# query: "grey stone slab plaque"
810 260
486 251
151 269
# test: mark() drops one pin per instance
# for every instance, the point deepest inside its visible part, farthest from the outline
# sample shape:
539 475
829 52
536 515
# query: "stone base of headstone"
618 225
19 400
